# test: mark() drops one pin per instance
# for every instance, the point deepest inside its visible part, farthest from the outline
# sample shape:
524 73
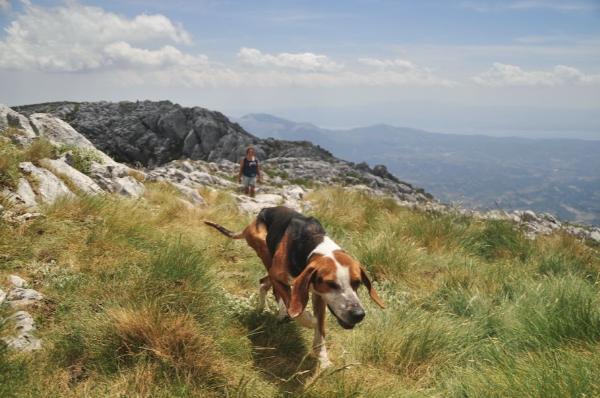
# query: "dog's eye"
355 284
333 285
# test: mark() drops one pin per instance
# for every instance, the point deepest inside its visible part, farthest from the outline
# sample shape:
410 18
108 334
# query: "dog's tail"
225 231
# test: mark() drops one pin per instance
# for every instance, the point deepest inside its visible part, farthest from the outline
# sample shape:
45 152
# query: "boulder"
128 186
25 193
260 201
10 118
17 281
83 182
49 187
190 194
23 322
2 296
20 297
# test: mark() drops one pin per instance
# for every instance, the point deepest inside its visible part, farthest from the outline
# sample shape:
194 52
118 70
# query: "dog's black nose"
357 315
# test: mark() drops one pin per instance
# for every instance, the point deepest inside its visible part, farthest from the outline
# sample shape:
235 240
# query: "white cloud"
556 5
307 62
511 75
388 63
122 53
559 5
141 50
4 6
74 37
402 71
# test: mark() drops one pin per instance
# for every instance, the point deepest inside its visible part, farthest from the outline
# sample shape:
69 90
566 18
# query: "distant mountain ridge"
559 176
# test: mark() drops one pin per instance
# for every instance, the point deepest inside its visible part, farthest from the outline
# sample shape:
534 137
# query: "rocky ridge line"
286 177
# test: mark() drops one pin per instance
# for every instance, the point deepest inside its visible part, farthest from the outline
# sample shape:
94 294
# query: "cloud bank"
152 49
501 75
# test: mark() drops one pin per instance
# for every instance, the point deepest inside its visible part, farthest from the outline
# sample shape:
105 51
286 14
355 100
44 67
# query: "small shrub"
81 158
11 132
40 148
498 239
10 157
174 341
437 231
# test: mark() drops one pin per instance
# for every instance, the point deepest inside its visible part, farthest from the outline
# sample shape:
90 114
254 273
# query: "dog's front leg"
263 290
319 348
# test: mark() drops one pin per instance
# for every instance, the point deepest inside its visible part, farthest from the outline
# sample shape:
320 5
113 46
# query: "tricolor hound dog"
299 258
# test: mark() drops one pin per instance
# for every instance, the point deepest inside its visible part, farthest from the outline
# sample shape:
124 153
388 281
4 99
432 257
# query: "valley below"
558 176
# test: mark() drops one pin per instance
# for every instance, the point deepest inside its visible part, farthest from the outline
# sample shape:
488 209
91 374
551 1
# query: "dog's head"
336 279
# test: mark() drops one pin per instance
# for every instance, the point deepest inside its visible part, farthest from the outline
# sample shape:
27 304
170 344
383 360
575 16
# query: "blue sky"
519 67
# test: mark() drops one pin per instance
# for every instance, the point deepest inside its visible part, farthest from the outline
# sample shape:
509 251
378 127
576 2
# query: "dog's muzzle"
355 315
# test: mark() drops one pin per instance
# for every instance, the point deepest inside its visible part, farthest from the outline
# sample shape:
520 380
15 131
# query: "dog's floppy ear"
372 292
300 292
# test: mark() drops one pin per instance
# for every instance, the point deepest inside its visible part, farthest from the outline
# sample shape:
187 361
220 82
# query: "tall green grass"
144 300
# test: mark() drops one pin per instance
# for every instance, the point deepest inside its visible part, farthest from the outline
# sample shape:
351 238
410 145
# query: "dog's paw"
325 363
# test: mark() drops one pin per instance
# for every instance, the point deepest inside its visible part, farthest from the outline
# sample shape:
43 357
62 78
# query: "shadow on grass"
279 351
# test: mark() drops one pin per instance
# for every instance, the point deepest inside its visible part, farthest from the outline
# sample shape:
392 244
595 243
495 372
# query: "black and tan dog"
299 258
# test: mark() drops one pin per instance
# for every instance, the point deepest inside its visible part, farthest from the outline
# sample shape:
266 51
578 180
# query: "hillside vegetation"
143 300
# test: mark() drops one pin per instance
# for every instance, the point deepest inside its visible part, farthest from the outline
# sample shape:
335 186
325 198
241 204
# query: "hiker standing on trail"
249 172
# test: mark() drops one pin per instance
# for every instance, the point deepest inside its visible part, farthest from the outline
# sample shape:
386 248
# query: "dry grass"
175 342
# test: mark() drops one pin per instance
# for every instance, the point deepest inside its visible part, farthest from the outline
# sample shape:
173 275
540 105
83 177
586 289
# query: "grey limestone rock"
10 118
49 187
83 182
17 281
21 297
23 327
156 132
25 194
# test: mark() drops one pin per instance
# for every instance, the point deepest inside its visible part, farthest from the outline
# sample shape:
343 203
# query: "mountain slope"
557 176
135 296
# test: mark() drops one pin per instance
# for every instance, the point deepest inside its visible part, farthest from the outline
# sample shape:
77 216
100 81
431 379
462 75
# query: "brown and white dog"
299 258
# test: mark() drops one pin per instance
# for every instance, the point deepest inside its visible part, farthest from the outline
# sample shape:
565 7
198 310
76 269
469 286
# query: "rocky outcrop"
49 187
153 133
81 181
50 179
20 325
9 118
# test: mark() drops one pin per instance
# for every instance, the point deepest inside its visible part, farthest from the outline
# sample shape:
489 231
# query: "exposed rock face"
17 281
20 324
49 186
10 118
339 172
81 181
50 179
21 297
23 326
25 193
153 133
